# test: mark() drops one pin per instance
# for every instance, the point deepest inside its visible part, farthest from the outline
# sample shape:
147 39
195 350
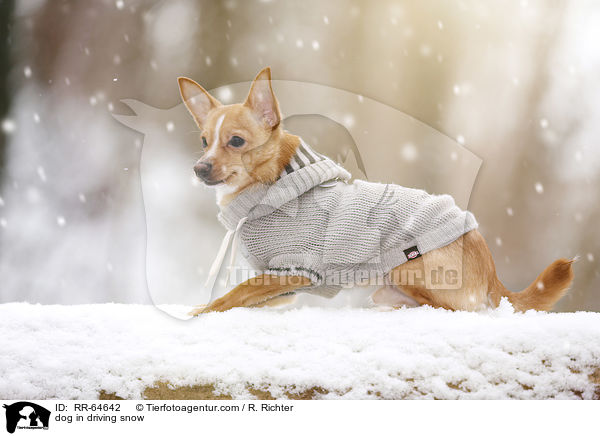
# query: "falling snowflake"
590 257
41 173
299 43
36 117
440 24
82 197
409 152
349 120
326 19
27 71
170 126
510 211
8 126
93 100
425 50
33 195
315 45
120 4
3 222
539 188
499 241
61 221
460 139
543 123
225 94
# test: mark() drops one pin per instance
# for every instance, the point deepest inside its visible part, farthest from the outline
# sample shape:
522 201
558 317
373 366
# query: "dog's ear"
196 99
261 99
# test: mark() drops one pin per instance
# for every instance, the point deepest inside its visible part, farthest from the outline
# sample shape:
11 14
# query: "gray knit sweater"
312 222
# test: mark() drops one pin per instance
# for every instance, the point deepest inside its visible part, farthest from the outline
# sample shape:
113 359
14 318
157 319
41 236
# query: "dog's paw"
197 310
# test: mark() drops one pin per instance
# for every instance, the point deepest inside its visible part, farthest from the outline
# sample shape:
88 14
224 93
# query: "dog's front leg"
254 291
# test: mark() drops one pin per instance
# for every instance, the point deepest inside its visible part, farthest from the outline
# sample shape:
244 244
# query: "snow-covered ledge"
129 351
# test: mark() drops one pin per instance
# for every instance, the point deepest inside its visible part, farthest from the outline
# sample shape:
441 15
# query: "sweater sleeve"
297 265
304 266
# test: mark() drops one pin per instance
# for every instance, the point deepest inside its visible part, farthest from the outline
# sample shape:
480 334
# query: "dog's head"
243 143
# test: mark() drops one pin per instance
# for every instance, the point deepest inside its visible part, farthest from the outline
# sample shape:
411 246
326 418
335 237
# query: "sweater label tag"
412 253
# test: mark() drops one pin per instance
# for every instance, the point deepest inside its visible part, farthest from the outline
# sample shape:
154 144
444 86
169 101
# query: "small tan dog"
245 145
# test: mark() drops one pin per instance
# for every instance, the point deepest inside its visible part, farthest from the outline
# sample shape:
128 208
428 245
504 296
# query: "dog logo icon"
26 415
412 253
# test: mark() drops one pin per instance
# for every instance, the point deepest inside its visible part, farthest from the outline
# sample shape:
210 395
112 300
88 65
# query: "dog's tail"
543 293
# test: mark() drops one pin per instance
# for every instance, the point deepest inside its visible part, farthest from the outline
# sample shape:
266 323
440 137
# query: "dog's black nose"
203 169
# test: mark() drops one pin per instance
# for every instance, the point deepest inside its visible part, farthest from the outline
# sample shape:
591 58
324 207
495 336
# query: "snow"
76 351
409 152
8 126
539 188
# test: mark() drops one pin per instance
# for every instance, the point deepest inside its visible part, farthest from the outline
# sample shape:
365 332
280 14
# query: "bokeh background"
515 82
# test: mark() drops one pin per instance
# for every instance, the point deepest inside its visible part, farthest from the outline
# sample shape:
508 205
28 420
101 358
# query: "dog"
252 161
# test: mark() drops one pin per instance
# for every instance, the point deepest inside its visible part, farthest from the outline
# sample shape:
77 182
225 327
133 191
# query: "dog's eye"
204 143
236 141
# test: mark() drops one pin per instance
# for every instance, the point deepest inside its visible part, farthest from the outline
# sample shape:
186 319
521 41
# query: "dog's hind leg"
454 277
254 291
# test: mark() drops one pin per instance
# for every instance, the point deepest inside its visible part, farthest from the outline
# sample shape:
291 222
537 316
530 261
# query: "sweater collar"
305 170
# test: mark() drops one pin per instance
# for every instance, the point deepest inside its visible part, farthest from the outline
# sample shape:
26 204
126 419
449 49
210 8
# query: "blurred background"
516 82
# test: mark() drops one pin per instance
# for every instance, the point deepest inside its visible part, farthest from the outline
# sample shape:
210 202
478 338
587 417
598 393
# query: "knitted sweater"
312 222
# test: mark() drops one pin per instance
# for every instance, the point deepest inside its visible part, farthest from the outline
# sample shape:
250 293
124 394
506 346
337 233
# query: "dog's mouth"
213 182
218 182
